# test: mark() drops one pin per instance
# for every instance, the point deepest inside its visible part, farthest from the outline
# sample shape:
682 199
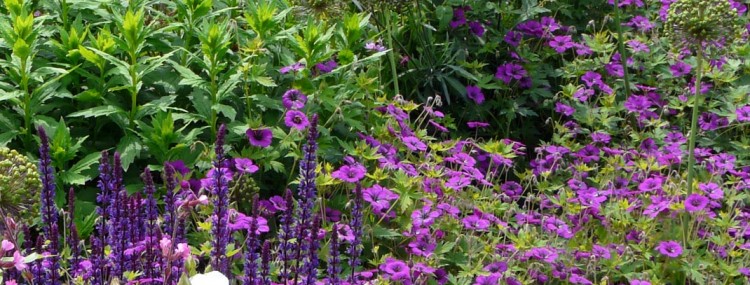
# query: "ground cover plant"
374 142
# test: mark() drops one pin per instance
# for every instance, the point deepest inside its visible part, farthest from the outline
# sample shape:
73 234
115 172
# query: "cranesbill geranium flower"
669 248
413 143
296 119
476 223
297 66
259 137
379 197
492 279
561 43
510 71
245 165
395 269
680 69
743 114
695 203
476 28
713 190
639 282
350 173
564 109
475 93
294 99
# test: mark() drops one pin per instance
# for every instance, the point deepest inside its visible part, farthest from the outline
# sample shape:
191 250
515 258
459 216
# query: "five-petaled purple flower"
296 119
669 248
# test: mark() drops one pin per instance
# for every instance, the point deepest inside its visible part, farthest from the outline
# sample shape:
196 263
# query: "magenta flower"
297 66
396 270
510 71
413 143
669 248
743 114
475 93
476 223
18 261
260 137
713 190
561 43
294 99
492 279
374 46
326 67
179 167
350 173
601 252
477 125
564 109
245 165
296 119
695 203
379 197
680 69
639 282
476 28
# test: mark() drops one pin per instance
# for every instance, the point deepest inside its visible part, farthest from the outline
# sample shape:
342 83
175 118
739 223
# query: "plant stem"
693 135
621 46
391 56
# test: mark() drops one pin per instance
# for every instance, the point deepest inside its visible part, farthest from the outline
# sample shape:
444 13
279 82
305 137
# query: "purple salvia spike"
220 225
333 260
169 199
356 225
285 248
73 236
252 247
37 269
307 189
49 208
311 261
265 271
150 230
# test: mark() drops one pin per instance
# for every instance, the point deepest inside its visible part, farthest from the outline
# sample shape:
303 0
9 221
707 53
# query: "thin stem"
391 56
621 46
693 135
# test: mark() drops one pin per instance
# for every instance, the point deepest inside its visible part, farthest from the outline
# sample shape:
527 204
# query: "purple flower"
326 67
424 217
374 46
510 71
640 23
651 184
542 253
639 282
296 119
669 248
476 125
695 203
179 166
476 28
379 197
601 137
294 99
680 69
564 109
513 38
713 190
245 165
578 279
709 121
260 137
350 173
492 279
638 46
601 252
459 16
297 66
743 114
561 43
475 93
413 143
637 104
395 269
476 223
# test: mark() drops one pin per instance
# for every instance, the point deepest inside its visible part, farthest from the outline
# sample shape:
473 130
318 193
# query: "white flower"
211 278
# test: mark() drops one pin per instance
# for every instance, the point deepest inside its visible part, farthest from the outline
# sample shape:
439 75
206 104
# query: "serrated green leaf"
97 111
265 81
129 147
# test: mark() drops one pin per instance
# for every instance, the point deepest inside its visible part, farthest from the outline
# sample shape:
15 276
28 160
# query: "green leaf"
8 136
97 111
381 232
129 147
73 176
265 81
228 111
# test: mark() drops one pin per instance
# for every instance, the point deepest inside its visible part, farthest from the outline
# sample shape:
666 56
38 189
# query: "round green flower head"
710 24
19 187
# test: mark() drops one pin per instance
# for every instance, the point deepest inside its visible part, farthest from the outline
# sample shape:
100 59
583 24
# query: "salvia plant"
374 142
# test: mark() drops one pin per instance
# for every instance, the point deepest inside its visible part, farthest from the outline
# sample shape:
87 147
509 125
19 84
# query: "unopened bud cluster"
19 185
705 23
